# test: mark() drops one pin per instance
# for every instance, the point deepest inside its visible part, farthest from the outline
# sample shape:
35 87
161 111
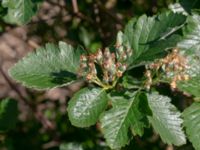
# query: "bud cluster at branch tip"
111 64
172 66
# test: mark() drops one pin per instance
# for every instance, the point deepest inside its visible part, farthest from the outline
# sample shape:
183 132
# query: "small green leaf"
192 124
20 11
86 106
48 67
8 114
125 114
144 33
166 120
71 146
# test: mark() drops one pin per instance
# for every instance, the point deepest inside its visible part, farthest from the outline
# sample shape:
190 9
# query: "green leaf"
191 86
190 45
48 67
143 34
71 146
166 120
189 5
125 114
159 49
192 124
3 12
9 3
191 40
178 8
8 114
130 82
20 11
86 106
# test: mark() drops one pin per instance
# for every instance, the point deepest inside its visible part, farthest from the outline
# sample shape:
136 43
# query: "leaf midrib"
128 111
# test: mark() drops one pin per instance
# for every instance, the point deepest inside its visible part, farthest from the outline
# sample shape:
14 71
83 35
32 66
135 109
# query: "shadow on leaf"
62 77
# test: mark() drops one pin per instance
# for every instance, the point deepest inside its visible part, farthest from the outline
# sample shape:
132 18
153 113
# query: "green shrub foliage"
166 46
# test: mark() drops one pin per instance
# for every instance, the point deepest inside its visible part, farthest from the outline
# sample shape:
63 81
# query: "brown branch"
55 4
78 14
45 122
12 85
38 115
84 17
114 17
75 6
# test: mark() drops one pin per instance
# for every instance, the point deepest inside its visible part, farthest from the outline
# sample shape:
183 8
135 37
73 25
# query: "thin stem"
13 86
98 82
75 6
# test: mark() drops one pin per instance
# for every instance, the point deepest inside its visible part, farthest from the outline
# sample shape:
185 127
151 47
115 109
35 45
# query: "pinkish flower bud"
92 68
112 69
99 56
129 52
119 40
105 76
89 77
122 68
106 64
83 58
120 50
113 57
83 65
124 57
107 53
119 73
92 57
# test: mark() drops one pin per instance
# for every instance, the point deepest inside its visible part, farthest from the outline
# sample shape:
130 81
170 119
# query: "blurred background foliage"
42 120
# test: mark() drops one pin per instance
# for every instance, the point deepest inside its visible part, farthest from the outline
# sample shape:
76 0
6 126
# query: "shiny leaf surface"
20 11
145 32
166 120
50 66
125 114
86 106
192 124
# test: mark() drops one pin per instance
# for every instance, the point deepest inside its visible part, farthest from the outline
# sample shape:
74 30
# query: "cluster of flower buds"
174 66
112 64
148 82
